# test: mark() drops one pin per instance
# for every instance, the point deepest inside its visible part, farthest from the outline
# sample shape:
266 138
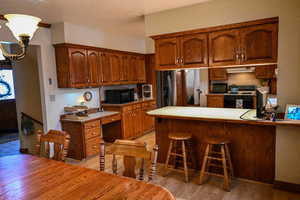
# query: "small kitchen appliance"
147 92
119 96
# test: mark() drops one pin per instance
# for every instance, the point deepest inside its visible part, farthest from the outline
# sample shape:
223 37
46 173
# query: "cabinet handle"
177 61
237 54
243 54
181 60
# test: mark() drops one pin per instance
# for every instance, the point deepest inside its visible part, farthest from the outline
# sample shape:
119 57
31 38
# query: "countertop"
229 94
92 116
230 115
127 104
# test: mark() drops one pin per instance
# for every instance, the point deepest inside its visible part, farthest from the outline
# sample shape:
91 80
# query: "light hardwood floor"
212 190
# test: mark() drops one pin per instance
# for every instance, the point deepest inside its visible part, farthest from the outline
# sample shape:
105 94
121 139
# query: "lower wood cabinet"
86 136
216 101
135 122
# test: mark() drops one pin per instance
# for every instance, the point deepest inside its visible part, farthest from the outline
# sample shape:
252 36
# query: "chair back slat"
130 150
59 140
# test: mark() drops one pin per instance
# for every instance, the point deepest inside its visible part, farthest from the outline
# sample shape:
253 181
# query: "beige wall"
28 95
220 12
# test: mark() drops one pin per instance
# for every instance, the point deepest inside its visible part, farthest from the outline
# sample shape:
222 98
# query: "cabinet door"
216 101
167 53
127 124
106 68
115 62
218 74
94 68
224 47
79 72
259 44
125 66
265 72
194 51
141 69
132 73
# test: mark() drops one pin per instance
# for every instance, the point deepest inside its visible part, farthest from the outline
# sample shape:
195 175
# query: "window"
7 90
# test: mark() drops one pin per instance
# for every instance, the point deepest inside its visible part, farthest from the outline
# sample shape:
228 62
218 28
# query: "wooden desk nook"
28 177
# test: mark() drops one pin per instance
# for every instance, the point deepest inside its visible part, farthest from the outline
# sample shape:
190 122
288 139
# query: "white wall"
220 12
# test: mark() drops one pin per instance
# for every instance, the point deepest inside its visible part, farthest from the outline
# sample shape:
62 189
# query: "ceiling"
122 16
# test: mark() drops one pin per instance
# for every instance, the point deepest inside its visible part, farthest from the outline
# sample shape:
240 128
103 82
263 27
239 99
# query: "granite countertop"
92 116
243 116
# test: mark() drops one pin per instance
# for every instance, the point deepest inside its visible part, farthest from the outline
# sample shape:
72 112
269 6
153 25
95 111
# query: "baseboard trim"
291 187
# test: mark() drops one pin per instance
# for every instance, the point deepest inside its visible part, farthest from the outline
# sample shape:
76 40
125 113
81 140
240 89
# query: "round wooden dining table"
30 177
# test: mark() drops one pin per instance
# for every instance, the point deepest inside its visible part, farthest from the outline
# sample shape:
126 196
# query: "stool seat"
216 140
180 136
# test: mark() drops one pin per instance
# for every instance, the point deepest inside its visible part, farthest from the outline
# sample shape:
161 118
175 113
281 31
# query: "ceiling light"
23 28
1 55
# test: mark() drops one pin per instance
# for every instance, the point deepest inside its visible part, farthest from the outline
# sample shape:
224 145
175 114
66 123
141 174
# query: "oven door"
238 101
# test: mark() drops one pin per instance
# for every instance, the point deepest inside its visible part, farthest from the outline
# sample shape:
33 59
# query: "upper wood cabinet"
80 66
95 67
259 44
167 53
79 72
193 50
224 47
265 72
235 44
218 74
182 52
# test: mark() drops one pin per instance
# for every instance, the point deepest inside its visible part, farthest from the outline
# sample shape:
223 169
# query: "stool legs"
202 173
176 154
226 181
224 157
185 163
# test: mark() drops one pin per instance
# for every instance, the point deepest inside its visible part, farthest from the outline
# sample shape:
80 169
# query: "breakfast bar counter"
252 145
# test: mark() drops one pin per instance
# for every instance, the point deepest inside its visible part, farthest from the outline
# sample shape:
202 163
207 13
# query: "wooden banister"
31 118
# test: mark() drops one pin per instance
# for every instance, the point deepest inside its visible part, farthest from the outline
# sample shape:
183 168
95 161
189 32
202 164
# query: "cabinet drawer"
92 132
92 124
111 119
145 105
127 108
92 146
137 106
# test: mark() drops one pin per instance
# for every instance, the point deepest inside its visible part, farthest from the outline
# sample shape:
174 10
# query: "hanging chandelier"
23 28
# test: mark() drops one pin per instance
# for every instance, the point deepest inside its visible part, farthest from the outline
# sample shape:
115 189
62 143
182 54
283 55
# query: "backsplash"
243 79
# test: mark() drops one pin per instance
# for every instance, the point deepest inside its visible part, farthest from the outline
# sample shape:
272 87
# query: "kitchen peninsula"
252 141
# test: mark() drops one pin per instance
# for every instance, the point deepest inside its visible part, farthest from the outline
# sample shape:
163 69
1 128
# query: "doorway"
20 103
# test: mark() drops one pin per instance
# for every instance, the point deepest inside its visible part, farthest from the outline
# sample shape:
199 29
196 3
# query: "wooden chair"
130 150
60 141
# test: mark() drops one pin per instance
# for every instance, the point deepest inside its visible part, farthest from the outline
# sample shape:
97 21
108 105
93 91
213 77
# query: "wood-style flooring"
212 190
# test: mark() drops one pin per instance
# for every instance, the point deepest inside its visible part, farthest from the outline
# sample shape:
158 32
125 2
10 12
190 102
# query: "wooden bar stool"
217 155
183 150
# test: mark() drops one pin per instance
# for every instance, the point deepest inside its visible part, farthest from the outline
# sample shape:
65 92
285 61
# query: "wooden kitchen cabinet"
218 74
79 73
189 51
243 43
95 68
265 72
134 120
259 44
223 48
215 101
194 51
141 69
85 136
167 53
81 66
106 68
